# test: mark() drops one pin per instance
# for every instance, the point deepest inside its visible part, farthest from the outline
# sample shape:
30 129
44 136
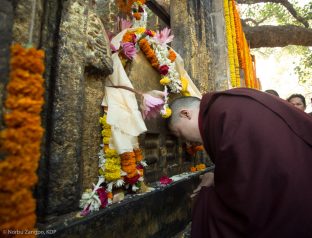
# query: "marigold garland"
238 48
21 139
112 170
234 33
149 52
128 164
229 42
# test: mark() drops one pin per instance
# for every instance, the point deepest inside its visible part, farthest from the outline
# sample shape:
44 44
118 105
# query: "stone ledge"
161 213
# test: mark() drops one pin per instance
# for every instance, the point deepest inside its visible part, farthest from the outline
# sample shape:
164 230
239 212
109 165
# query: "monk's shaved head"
181 103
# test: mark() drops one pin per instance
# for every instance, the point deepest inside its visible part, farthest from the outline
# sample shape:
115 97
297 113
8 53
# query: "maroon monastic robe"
262 150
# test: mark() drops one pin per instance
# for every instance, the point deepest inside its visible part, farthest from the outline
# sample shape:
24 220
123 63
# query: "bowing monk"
262 150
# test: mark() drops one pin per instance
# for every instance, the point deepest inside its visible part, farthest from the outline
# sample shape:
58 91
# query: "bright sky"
277 73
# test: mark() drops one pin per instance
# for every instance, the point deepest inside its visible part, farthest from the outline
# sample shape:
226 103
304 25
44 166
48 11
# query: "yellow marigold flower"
106 140
112 176
200 167
140 30
167 113
105 125
106 132
184 84
165 81
110 153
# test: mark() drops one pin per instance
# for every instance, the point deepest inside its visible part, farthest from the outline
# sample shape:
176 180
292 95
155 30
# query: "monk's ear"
185 114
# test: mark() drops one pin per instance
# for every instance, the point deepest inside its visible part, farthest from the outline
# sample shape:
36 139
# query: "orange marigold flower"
200 167
141 172
138 155
132 174
172 55
110 195
193 169
128 37
199 148
137 16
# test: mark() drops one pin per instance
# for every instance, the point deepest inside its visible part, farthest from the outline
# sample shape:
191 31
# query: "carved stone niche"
98 53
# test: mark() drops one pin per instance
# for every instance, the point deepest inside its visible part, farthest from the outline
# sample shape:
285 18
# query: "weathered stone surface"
49 43
198 26
108 12
158 214
23 21
6 22
93 92
66 137
142 75
98 54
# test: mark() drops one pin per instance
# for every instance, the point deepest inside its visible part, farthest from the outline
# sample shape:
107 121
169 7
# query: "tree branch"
256 23
285 3
278 36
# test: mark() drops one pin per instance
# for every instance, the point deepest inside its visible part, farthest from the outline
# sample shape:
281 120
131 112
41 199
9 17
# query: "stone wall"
6 22
198 26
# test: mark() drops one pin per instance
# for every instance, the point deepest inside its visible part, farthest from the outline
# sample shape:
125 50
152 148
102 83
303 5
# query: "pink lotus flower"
151 106
128 49
152 101
163 69
165 180
163 37
123 23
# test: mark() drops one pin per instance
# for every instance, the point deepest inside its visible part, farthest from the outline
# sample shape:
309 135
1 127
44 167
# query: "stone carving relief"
98 54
